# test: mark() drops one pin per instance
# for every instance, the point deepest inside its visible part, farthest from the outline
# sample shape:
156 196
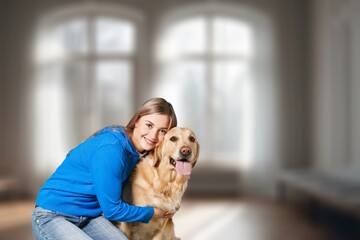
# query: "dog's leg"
126 229
169 232
163 232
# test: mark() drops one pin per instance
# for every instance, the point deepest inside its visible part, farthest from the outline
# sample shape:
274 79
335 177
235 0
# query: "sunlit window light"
223 47
57 41
78 88
247 125
232 37
176 41
48 49
48 118
114 35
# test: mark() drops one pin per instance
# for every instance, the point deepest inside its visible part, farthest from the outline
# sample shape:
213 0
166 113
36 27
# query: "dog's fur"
156 182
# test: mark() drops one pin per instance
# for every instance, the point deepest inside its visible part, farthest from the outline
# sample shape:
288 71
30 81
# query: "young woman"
84 192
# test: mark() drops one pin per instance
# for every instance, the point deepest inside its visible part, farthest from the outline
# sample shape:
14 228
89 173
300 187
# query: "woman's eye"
149 125
163 132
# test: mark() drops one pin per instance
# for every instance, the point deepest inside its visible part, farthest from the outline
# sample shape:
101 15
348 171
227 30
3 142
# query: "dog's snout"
185 151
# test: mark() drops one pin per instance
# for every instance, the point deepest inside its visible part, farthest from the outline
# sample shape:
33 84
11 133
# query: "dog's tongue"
183 167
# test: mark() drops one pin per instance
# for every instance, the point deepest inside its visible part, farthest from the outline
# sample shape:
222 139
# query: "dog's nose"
185 151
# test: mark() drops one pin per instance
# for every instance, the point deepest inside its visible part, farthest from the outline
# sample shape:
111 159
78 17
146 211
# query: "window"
85 63
205 62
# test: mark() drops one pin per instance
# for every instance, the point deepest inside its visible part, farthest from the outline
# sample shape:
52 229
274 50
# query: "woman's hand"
162 214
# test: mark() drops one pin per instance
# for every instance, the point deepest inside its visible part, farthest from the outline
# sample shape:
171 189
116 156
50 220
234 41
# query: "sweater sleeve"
107 163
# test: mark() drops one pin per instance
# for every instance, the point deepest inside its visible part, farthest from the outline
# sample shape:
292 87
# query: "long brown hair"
153 106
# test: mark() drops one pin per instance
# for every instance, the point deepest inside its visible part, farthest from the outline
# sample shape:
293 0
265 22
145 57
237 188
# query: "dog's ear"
197 153
155 156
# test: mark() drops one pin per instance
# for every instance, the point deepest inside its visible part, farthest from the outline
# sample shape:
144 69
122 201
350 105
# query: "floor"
243 219
203 219
15 220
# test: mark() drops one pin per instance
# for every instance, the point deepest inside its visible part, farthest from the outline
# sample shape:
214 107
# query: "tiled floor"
202 219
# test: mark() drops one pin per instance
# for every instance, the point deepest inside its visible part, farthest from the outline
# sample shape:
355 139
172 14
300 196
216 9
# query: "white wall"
336 85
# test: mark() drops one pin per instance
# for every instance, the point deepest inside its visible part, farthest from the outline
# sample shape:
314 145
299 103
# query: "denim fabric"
52 225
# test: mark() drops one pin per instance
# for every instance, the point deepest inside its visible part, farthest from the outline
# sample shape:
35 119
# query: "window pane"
55 41
49 142
76 101
70 36
227 106
231 36
114 36
60 113
184 86
177 41
114 92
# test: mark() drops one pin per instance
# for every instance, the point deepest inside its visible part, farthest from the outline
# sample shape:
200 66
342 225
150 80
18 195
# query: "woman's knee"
51 225
101 228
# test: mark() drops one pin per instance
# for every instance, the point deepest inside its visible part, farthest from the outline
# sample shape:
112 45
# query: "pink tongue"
183 167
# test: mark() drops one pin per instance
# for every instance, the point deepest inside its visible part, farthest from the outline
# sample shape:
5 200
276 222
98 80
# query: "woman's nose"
154 134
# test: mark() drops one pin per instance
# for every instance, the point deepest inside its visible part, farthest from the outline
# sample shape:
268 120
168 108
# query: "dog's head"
178 151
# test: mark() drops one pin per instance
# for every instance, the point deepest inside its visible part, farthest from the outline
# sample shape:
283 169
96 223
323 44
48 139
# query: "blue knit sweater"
89 181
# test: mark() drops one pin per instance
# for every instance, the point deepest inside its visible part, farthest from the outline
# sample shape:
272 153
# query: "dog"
160 180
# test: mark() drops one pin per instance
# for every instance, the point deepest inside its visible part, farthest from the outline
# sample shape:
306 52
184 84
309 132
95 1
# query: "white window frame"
244 14
90 10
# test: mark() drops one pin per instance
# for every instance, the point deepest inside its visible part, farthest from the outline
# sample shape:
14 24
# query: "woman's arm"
107 164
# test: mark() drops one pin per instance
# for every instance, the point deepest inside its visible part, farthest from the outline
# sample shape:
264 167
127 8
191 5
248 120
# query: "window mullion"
91 72
209 64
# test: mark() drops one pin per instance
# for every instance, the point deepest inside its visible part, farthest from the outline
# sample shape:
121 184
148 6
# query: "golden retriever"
160 180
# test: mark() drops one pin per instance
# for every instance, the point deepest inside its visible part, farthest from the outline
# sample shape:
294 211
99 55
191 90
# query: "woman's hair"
153 106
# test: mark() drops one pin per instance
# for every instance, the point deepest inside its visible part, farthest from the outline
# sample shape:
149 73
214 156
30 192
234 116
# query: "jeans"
53 225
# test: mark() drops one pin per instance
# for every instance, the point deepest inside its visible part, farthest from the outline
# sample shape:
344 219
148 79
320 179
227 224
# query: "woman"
84 193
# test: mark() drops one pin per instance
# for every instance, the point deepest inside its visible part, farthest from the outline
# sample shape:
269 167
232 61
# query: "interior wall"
2 82
291 31
336 85
12 82
294 26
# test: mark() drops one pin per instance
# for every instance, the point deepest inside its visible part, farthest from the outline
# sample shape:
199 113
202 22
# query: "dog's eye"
192 139
173 139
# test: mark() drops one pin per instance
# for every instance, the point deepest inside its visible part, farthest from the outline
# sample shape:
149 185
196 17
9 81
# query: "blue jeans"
53 225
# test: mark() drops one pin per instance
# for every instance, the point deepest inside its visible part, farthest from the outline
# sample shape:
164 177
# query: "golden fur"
156 182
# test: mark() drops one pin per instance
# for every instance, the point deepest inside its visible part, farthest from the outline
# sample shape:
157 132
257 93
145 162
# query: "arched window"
206 56
85 63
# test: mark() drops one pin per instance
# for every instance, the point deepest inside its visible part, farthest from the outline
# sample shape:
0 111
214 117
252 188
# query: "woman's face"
149 131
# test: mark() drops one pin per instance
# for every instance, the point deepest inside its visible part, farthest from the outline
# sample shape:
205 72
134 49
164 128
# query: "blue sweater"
89 181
